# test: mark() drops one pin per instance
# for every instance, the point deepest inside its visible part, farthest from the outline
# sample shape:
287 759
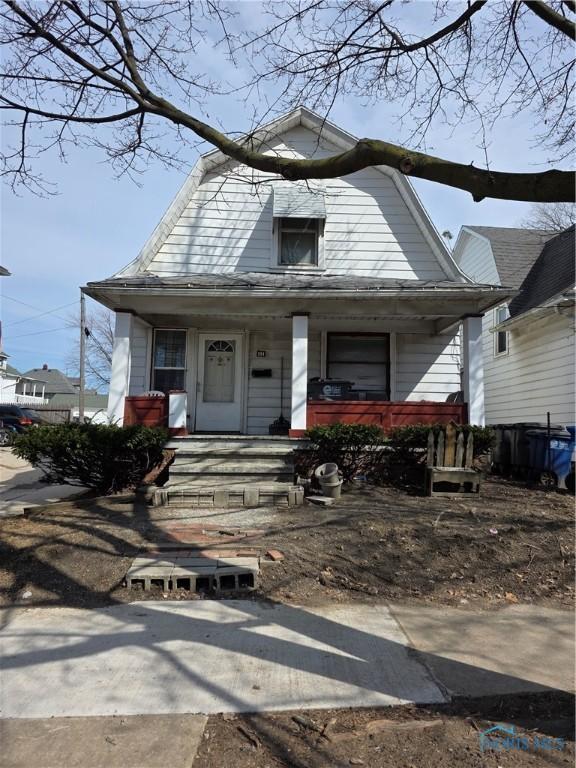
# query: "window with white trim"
169 360
364 360
298 242
501 337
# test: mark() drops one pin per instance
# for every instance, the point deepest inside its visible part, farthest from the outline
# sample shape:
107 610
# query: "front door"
219 387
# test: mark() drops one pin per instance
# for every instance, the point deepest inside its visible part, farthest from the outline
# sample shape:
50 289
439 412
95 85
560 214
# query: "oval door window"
219 368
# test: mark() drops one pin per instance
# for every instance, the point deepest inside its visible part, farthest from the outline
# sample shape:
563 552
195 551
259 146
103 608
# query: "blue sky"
97 223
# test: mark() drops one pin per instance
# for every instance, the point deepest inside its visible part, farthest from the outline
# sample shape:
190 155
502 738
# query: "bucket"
327 473
332 490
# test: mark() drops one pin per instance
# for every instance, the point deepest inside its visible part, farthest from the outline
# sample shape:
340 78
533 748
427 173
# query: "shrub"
104 457
356 448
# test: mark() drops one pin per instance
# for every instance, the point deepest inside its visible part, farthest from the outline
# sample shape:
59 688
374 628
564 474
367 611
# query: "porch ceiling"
439 305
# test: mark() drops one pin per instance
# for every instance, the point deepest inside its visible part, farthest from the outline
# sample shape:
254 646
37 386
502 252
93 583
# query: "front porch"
246 351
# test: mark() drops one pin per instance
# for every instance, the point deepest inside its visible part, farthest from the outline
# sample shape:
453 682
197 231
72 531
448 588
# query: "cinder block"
251 497
295 496
195 579
152 562
221 497
230 579
149 576
239 562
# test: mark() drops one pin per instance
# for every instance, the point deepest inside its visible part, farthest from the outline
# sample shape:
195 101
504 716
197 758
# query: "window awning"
299 203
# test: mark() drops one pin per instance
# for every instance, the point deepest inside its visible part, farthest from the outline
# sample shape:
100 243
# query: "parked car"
16 418
7 435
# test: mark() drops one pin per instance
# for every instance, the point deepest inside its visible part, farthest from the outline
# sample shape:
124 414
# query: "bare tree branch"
551 17
109 65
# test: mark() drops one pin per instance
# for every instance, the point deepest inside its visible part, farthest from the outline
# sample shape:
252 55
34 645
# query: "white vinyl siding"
427 367
139 354
473 254
536 376
264 405
227 226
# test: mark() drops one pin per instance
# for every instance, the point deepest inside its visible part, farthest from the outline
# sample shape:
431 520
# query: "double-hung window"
299 215
298 242
169 360
364 360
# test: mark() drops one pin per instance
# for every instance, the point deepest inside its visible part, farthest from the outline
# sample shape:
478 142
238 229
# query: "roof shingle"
552 274
515 250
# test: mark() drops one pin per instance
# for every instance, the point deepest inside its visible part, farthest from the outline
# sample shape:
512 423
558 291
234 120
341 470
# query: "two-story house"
528 342
251 289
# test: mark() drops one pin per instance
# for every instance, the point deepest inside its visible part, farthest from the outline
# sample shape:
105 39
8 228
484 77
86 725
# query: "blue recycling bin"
561 450
554 455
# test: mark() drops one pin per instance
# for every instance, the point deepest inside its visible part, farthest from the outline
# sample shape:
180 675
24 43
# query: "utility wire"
42 313
38 333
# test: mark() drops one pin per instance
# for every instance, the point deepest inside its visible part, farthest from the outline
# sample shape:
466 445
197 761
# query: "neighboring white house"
17 388
62 393
248 275
529 341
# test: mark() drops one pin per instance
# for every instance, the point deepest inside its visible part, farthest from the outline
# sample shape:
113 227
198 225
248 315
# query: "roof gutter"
537 313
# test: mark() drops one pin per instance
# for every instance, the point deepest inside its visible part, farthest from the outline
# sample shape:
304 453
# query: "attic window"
298 242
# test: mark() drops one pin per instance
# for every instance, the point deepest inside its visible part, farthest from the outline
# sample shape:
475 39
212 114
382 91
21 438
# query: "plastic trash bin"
551 455
520 444
561 451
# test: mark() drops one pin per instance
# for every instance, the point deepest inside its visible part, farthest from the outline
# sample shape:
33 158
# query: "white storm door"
219 387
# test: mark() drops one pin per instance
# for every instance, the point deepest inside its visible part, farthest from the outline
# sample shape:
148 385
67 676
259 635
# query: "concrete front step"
223 495
233 442
231 464
231 478
231 470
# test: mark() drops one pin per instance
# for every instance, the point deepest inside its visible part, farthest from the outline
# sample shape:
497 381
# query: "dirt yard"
446 736
510 545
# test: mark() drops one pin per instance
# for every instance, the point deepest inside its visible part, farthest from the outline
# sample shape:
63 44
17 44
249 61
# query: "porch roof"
280 294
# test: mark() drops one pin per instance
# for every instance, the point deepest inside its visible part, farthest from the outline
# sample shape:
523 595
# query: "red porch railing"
384 413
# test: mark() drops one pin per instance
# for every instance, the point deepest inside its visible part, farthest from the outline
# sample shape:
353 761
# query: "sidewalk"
211 656
21 486
129 686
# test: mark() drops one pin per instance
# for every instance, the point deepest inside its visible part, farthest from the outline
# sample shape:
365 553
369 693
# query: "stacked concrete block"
196 574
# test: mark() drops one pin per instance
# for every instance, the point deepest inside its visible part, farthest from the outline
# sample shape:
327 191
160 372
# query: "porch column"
473 368
120 373
299 374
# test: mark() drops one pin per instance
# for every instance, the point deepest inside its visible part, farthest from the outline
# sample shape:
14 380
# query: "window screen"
363 360
169 360
298 241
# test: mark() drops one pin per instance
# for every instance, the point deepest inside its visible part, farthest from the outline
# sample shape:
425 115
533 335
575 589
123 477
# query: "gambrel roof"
263 138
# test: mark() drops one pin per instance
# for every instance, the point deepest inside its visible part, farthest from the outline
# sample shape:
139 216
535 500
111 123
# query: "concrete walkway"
21 486
205 657
230 656
155 741
517 649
